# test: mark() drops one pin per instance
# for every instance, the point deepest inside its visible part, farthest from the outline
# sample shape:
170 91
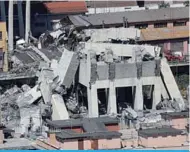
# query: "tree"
186 3
164 5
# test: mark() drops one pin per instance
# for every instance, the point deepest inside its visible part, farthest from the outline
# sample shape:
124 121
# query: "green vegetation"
164 5
186 3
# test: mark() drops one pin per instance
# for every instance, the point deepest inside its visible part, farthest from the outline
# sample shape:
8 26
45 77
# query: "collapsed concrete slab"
170 84
46 79
29 97
59 109
67 68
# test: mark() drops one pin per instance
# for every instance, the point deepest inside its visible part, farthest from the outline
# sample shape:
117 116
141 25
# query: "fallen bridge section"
170 83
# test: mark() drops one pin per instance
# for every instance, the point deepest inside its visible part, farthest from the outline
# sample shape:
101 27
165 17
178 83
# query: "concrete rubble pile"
56 70
17 109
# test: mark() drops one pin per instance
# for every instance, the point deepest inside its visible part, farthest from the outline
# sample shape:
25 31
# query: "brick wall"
179 123
109 143
162 141
112 127
130 143
69 145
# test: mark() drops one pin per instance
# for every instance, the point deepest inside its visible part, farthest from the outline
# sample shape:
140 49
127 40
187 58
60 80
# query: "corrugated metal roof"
66 7
108 3
164 33
163 14
94 135
79 122
155 132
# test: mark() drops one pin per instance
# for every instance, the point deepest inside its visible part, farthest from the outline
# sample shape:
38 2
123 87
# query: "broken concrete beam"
46 91
170 83
102 35
58 107
119 49
46 79
27 98
67 67
42 55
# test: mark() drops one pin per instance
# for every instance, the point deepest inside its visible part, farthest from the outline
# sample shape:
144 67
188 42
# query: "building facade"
3 47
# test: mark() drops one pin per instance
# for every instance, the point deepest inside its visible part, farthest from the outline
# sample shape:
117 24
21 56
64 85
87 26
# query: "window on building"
40 24
0 35
141 26
160 25
177 46
179 23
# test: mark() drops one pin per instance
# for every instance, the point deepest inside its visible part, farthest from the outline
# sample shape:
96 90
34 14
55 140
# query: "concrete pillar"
185 48
112 104
187 23
93 110
20 17
168 46
156 93
10 30
138 103
150 25
27 18
3 13
170 25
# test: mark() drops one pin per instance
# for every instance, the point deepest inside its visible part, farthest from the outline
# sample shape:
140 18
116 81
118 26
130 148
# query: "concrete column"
93 110
187 23
138 103
168 46
185 48
20 17
27 18
10 27
150 25
112 104
170 25
3 14
156 93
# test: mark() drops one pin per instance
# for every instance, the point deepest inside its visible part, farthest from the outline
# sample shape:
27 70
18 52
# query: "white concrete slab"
102 35
59 109
118 49
170 82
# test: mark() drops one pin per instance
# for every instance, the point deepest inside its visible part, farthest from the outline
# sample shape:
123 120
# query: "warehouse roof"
66 7
155 132
108 3
164 33
80 122
93 135
163 14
